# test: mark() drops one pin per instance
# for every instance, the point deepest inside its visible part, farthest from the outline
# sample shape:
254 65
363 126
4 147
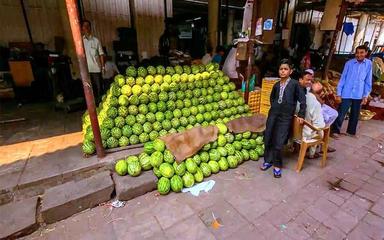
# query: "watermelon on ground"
163 185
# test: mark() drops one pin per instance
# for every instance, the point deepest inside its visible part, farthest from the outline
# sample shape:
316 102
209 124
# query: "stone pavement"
43 131
344 200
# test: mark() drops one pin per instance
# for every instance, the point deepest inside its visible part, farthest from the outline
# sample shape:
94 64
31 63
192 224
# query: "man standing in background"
354 87
95 59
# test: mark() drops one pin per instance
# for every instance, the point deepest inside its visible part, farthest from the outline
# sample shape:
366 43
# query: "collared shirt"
356 79
93 51
329 114
313 115
282 88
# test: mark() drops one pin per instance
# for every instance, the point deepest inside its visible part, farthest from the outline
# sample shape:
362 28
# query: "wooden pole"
26 21
340 19
250 53
89 98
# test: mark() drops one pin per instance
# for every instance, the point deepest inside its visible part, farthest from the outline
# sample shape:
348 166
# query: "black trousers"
96 86
355 105
275 136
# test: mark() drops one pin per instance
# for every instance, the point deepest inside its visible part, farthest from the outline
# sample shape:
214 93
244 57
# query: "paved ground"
43 131
253 205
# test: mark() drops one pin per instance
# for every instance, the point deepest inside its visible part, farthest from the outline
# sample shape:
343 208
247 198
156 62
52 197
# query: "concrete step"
18 218
128 187
67 199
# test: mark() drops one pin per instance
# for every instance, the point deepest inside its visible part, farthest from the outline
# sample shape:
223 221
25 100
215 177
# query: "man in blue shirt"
354 87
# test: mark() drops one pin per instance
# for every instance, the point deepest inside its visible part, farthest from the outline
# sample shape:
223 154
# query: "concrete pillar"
380 39
213 20
231 19
290 17
360 30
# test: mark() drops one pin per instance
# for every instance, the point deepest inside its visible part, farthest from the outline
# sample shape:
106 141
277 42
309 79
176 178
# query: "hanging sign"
268 24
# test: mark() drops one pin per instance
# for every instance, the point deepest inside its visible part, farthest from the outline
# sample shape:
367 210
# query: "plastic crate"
254 100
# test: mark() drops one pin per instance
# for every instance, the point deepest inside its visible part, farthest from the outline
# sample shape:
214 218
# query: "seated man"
313 113
329 113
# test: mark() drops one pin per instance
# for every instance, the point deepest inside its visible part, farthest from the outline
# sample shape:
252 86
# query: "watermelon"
130 120
260 150
179 168
157 126
157 172
214 155
131 71
199 177
134 139
147 127
191 165
166 170
163 133
206 169
116 132
232 161
123 111
112 142
259 140
221 141
106 133
123 141
132 158
222 151
137 129
121 167
215 168
197 159
156 159
163 186
145 162
148 148
134 168
245 144
239 156
168 157
188 180
237 145
204 156
176 183
245 154
153 135
88 147
160 117
223 164
253 155
144 137
159 145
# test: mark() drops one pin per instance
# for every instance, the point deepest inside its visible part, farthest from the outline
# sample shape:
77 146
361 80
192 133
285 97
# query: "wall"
39 13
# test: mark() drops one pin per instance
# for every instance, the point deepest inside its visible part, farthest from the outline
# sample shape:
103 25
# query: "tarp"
254 123
186 144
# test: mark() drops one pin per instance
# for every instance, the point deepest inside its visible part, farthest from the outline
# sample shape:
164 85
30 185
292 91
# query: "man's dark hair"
363 47
304 73
86 21
209 49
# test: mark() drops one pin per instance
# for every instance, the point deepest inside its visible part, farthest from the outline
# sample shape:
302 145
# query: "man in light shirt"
354 88
313 113
95 58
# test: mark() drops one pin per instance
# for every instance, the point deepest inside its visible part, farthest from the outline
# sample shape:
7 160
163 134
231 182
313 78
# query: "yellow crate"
254 100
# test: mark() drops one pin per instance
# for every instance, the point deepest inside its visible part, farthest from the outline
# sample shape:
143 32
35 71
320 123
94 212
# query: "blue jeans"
355 105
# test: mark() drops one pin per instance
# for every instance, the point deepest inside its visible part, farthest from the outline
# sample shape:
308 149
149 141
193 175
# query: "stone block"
72 197
18 218
128 187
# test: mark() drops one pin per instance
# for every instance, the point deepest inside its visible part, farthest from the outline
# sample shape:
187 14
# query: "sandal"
277 173
330 150
265 166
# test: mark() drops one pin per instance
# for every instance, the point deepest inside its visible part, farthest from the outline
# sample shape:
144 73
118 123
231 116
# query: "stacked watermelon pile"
228 151
153 101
